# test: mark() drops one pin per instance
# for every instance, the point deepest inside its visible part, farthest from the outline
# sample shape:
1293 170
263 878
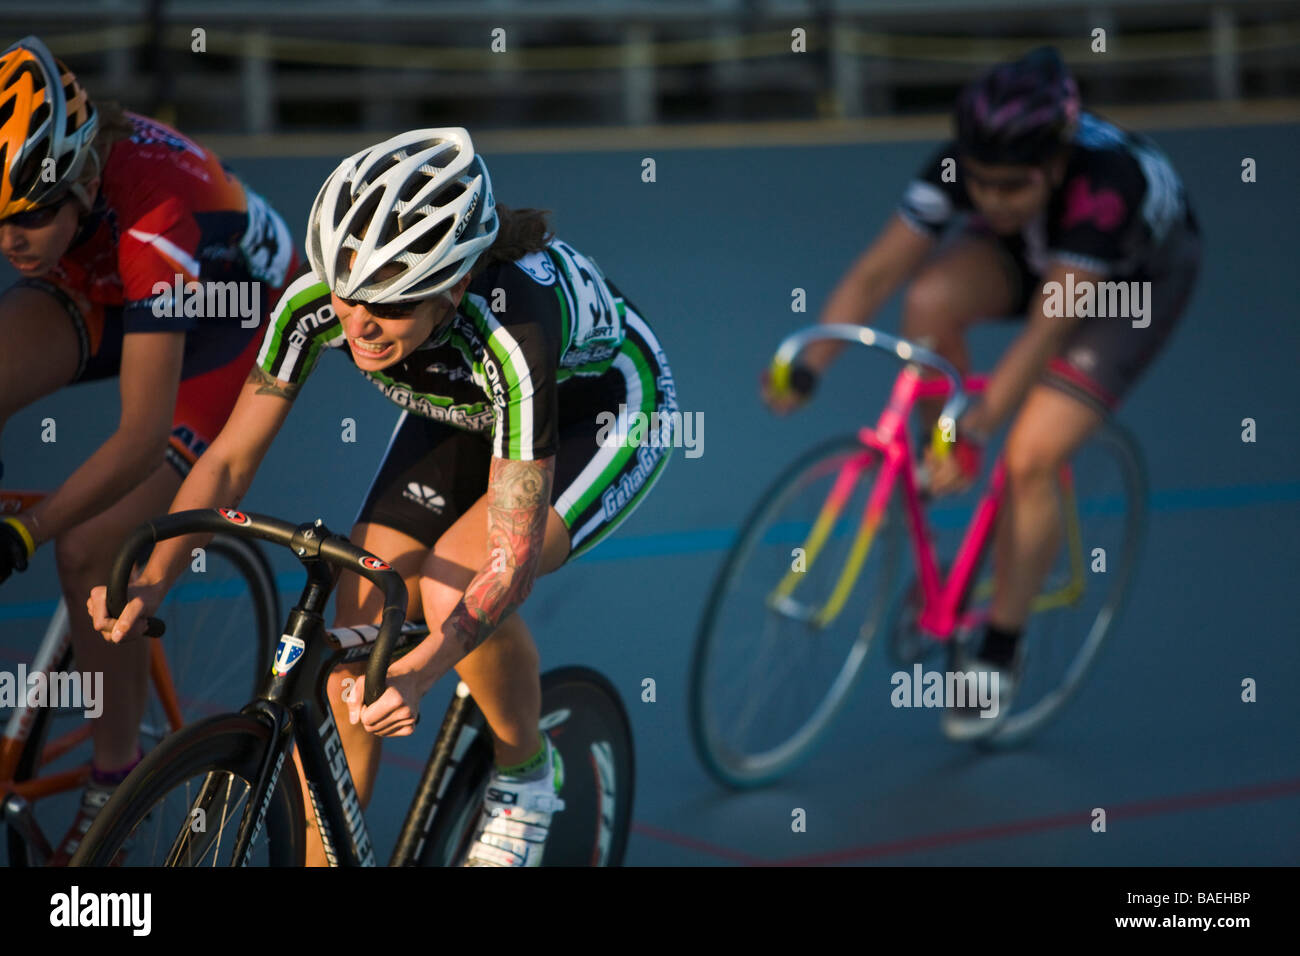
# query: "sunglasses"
390 310
38 217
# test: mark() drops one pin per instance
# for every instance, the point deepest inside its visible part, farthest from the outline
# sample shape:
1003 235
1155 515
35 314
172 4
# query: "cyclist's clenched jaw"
376 341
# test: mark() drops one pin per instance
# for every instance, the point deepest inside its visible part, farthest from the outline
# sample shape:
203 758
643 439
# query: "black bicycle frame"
292 697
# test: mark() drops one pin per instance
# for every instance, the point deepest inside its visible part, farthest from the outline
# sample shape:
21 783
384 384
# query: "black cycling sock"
999 645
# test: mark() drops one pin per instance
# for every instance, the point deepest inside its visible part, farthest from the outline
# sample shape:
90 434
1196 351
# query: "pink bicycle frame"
939 598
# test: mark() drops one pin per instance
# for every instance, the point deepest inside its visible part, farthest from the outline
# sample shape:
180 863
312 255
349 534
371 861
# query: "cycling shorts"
1103 358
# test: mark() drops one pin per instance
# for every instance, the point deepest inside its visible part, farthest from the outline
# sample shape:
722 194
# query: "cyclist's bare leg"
85 555
360 602
1048 429
503 672
40 353
960 286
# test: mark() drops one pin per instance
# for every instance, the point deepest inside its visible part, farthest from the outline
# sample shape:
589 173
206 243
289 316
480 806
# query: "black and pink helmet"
1018 113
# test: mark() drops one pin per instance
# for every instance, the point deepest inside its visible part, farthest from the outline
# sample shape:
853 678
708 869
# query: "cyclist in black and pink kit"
1034 205
132 210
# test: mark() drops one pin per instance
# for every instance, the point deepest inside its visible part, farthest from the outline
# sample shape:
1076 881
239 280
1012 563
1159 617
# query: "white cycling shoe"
973 722
515 818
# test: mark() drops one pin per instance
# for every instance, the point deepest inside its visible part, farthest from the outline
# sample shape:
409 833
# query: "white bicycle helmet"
421 200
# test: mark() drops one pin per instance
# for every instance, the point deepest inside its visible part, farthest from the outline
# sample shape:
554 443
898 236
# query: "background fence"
320 65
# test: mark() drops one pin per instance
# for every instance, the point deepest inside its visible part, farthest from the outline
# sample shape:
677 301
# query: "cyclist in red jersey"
1031 197
107 216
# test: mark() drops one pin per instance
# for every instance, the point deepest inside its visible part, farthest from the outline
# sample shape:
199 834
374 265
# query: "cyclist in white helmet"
504 346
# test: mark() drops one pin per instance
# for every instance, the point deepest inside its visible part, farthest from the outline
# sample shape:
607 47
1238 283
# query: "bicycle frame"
942 600
293 700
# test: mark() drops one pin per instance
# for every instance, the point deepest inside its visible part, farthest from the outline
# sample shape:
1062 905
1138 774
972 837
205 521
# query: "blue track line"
705 540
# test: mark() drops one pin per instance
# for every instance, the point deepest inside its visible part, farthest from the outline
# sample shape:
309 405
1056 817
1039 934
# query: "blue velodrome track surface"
710 252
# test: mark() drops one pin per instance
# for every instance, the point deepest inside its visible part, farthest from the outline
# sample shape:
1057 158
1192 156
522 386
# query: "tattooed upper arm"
518 502
269 385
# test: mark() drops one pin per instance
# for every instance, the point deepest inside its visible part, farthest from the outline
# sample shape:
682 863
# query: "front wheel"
791 616
182 806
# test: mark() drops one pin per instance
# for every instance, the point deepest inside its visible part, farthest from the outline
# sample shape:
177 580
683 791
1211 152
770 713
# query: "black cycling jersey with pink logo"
1113 214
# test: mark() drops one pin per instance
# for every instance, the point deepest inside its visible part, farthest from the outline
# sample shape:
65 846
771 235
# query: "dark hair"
113 125
521 231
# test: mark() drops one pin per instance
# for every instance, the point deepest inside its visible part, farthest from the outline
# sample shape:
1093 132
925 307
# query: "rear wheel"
1102 494
585 719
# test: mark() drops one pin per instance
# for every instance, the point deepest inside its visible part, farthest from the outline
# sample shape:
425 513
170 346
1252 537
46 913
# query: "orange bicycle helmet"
44 114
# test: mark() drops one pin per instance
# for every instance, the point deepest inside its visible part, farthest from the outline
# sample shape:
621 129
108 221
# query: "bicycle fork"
781 599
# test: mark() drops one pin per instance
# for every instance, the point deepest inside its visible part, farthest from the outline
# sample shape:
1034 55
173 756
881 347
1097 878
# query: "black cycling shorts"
1104 357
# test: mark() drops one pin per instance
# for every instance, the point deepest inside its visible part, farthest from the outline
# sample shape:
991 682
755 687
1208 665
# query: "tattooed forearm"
518 502
270 385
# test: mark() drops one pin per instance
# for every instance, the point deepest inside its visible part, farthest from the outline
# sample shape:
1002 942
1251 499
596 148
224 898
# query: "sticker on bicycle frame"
287 654
374 564
234 517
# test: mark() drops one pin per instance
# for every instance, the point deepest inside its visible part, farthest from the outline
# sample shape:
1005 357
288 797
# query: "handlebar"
307 543
794 344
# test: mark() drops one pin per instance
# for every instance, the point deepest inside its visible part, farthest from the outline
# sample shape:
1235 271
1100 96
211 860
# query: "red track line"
667 836
1174 804
1122 811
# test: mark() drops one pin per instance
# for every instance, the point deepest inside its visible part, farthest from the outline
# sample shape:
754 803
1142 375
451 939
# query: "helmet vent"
39 116
429 240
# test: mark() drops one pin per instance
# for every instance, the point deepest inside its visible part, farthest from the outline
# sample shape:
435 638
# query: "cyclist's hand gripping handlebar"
334 550
792 346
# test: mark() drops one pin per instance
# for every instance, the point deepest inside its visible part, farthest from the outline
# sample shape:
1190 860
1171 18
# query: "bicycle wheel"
585 719
184 804
772 666
222 621
1103 503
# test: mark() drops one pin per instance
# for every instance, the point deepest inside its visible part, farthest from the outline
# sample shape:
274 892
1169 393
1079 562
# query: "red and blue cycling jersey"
169 213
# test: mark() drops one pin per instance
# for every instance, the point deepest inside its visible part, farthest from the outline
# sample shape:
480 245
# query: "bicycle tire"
746 771
251 563
1019 727
232 744
577 703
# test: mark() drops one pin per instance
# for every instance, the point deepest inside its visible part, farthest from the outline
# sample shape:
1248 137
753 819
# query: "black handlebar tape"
337 551
132 550
199 520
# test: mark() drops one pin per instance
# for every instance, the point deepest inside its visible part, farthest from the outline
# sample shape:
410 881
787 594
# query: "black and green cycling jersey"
499 366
